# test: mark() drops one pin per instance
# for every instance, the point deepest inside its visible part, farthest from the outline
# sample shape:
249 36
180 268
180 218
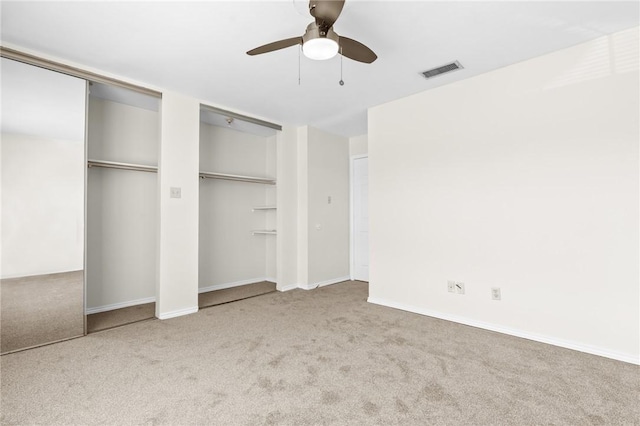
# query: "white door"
360 228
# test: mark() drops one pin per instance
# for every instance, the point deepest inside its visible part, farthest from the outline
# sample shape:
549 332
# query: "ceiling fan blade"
326 12
355 50
276 45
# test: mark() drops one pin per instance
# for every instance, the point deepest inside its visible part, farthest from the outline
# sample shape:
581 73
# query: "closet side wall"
287 247
271 215
121 206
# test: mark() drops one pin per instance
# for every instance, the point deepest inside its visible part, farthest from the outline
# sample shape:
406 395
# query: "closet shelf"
264 232
264 208
122 166
239 178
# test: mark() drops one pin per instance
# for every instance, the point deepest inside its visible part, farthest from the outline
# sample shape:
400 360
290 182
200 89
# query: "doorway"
360 218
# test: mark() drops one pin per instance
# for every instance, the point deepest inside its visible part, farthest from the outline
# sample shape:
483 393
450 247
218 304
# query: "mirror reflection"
42 162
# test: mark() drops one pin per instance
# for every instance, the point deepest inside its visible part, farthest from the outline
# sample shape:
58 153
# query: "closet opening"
237 226
123 135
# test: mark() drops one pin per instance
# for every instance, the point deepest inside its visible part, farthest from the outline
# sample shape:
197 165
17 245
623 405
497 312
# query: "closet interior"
123 134
237 228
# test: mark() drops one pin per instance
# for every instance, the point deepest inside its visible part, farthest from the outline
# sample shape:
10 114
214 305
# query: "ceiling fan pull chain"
299 64
341 81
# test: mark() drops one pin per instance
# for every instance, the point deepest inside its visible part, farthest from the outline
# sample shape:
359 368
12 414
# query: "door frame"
352 248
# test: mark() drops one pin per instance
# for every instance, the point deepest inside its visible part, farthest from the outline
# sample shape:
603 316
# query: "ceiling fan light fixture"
320 49
319 43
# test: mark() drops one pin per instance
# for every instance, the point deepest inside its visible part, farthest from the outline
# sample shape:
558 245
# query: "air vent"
442 70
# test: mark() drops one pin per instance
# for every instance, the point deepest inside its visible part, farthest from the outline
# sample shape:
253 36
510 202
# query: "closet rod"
122 166
223 176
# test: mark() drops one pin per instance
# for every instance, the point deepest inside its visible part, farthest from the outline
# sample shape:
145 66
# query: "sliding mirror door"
42 163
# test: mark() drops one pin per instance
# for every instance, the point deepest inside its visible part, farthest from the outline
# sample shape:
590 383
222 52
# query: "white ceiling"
198 48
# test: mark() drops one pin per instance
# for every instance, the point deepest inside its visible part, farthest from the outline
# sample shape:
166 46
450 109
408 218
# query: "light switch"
329 199
176 192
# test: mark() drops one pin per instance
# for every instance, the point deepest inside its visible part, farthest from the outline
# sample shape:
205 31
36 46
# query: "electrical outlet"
495 293
459 287
451 286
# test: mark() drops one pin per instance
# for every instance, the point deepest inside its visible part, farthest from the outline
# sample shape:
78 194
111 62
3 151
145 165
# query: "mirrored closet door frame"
43 203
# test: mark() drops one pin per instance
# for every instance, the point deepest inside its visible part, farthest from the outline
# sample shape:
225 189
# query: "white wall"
121 206
328 221
177 283
302 205
322 227
287 214
524 178
358 145
229 252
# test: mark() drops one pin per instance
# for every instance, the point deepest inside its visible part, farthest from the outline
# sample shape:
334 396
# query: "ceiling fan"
319 40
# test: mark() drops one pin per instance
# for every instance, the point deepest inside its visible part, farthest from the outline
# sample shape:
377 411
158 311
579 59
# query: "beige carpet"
314 357
218 297
41 309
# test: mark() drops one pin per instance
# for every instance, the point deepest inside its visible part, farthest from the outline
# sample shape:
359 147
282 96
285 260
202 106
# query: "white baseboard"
233 284
288 287
120 305
307 286
312 286
178 313
510 331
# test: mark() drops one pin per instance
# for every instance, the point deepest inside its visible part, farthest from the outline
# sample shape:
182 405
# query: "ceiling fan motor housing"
313 31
